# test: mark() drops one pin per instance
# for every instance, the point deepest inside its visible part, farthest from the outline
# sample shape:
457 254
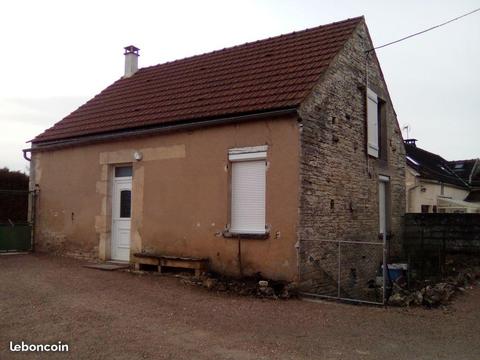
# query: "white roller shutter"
248 196
372 123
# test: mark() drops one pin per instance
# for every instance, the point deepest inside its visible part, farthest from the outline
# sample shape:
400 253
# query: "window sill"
232 235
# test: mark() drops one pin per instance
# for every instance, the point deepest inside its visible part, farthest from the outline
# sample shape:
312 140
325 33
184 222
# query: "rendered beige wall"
180 197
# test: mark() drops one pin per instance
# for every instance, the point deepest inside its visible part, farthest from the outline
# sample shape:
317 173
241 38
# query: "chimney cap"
411 142
130 49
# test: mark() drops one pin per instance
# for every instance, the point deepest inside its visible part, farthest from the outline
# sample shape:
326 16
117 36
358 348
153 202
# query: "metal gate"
347 270
17 214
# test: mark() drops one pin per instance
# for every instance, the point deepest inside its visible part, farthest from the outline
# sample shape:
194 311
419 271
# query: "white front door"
121 213
382 206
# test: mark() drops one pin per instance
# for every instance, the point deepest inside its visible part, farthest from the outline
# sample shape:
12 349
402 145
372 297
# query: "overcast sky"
58 54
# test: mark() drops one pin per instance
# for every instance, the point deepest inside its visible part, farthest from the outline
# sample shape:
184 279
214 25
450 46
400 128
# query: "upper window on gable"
377 145
372 124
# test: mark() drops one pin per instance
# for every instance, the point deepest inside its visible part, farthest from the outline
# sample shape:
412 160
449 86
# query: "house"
249 156
433 185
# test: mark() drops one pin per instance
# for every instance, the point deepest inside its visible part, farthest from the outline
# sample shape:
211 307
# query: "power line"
424 31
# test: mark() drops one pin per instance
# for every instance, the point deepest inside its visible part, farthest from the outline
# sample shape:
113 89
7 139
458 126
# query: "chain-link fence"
347 270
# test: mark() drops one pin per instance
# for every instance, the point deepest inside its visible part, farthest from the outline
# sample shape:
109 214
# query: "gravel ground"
118 315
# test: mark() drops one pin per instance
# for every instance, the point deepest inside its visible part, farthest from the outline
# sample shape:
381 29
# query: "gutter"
57 144
25 154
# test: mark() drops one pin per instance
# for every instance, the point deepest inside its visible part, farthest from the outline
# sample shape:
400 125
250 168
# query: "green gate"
17 209
16 237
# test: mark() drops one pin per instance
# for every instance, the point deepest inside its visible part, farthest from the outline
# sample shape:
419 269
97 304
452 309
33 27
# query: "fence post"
33 216
339 270
422 251
443 256
409 270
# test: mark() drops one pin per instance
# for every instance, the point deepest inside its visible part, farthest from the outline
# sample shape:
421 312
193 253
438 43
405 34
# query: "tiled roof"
432 166
274 73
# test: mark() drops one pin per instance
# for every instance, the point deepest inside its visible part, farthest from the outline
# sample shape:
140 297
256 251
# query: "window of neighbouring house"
248 185
425 208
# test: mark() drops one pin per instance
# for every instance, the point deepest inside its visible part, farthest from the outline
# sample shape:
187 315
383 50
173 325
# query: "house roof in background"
468 170
432 166
275 73
445 202
473 196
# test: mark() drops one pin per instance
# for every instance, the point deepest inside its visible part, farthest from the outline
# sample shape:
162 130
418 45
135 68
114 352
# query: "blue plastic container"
396 270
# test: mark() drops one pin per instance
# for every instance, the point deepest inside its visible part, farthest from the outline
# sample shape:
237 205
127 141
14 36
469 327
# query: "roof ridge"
426 151
252 42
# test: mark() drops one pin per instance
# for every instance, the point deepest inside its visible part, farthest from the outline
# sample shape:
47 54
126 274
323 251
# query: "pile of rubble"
250 286
434 295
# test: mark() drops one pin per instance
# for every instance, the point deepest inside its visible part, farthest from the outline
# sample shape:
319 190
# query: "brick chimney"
131 60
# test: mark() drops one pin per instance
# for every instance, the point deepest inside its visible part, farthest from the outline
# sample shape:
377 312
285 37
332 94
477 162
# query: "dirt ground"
119 315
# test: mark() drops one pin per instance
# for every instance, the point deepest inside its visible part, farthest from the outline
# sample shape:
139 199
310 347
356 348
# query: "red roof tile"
269 74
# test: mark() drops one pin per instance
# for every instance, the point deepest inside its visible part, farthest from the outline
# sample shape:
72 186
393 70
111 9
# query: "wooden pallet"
197 264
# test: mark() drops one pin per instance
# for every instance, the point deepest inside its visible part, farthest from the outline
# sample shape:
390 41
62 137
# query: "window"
248 190
382 130
377 132
125 203
425 208
123 171
372 124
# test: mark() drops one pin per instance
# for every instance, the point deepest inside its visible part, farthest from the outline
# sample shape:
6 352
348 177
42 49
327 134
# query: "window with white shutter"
372 123
248 190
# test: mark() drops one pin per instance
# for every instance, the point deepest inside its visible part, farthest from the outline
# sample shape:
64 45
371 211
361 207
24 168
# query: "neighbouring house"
249 156
432 184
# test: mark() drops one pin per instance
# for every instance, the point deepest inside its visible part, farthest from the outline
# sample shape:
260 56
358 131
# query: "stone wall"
339 181
451 233
438 245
